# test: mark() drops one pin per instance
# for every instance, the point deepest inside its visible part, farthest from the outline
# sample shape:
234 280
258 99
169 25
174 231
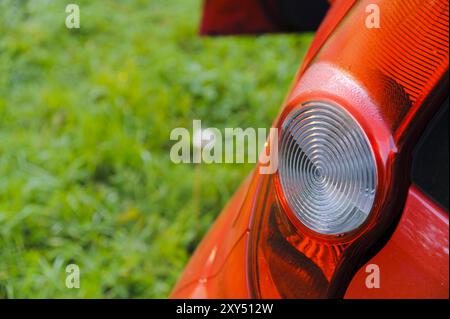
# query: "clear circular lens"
327 168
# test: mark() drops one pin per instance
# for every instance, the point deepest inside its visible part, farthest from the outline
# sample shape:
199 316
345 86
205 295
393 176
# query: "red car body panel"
414 260
414 263
218 267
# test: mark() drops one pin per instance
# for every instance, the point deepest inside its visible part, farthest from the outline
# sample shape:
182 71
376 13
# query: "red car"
358 207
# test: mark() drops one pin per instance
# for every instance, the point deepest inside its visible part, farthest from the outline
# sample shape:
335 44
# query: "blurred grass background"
85 118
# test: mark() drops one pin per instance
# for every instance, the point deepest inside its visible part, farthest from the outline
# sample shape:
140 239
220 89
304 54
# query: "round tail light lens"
327 169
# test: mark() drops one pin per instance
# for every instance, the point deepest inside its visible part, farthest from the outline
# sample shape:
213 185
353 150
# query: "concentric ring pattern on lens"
327 168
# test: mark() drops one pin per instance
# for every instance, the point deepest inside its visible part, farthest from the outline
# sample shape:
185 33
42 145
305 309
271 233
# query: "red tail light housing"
383 85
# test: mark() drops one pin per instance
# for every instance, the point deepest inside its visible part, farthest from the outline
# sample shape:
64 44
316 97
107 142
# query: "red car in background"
359 205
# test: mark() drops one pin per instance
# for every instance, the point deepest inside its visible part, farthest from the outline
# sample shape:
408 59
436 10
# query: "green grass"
85 118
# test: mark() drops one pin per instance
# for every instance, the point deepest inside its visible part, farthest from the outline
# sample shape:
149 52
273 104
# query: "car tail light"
327 169
345 140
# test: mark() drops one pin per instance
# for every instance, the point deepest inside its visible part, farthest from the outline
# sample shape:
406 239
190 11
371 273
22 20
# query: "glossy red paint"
390 80
218 267
415 261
